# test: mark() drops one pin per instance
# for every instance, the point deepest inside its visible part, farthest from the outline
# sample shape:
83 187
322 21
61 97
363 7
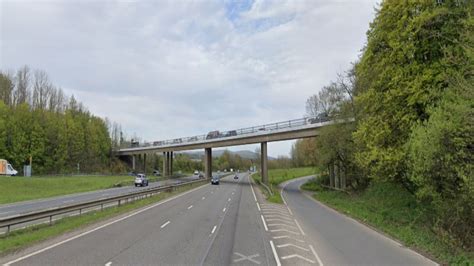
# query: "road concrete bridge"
287 130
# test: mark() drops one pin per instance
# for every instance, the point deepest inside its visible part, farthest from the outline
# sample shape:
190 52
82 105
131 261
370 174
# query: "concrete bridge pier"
264 162
170 162
144 163
208 162
133 162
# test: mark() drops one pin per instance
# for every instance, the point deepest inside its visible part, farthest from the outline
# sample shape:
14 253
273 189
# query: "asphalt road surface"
226 224
12 209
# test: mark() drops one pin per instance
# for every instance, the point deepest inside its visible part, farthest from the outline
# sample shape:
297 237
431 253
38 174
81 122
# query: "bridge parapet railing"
239 132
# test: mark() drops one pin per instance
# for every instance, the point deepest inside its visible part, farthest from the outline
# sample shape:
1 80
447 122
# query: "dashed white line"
164 225
316 255
203 198
258 206
223 210
108 263
214 229
190 207
299 227
264 223
228 199
275 254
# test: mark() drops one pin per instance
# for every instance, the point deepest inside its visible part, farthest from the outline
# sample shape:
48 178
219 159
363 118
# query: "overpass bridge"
286 130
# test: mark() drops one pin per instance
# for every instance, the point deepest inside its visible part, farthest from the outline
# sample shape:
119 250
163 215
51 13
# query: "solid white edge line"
299 227
228 199
253 192
223 210
164 225
190 207
275 254
264 223
316 255
214 229
258 207
100 227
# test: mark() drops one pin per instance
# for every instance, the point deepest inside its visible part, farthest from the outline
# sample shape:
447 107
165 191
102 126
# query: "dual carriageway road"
228 224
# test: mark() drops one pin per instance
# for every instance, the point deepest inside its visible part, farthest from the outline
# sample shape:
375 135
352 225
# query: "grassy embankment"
15 189
391 209
278 176
27 237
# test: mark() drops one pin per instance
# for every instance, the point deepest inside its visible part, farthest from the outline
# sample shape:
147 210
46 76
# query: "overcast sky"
167 69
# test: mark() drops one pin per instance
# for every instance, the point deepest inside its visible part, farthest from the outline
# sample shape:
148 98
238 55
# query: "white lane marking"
297 256
284 230
164 225
280 237
228 199
108 263
264 223
278 213
249 258
292 245
203 198
258 207
100 227
253 192
223 210
299 227
190 207
277 259
277 216
316 255
289 209
214 229
283 225
279 220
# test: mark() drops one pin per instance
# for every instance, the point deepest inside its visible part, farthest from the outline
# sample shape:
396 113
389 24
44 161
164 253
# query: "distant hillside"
246 154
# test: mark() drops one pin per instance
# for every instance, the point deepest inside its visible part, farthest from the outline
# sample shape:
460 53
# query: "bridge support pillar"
208 162
165 165
133 162
170 167
264 162
144 163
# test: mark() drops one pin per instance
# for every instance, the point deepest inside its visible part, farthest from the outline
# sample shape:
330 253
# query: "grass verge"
31 235
16 189
391 209
278 176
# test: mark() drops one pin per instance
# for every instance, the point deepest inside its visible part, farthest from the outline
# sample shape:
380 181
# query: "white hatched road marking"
297 256
165 224
264 223
250 258
292 245
316 255
275 254
278 220
281 237
287 225
299 227
284 230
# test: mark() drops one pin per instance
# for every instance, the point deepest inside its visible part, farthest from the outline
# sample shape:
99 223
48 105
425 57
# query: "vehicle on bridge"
158 143
6 168
231 133
320 118
141 180
213 134
134 144
175 141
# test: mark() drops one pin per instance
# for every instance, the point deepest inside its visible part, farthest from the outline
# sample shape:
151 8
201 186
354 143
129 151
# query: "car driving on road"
215 180
141 180
236 177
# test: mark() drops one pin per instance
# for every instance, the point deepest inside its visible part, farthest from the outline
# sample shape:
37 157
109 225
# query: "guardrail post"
8 229
102 206
120 201
50 220
80 211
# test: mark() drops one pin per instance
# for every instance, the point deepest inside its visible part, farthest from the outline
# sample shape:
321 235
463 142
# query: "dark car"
213 134
201 175
236 177
215 180
141 180
231 133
